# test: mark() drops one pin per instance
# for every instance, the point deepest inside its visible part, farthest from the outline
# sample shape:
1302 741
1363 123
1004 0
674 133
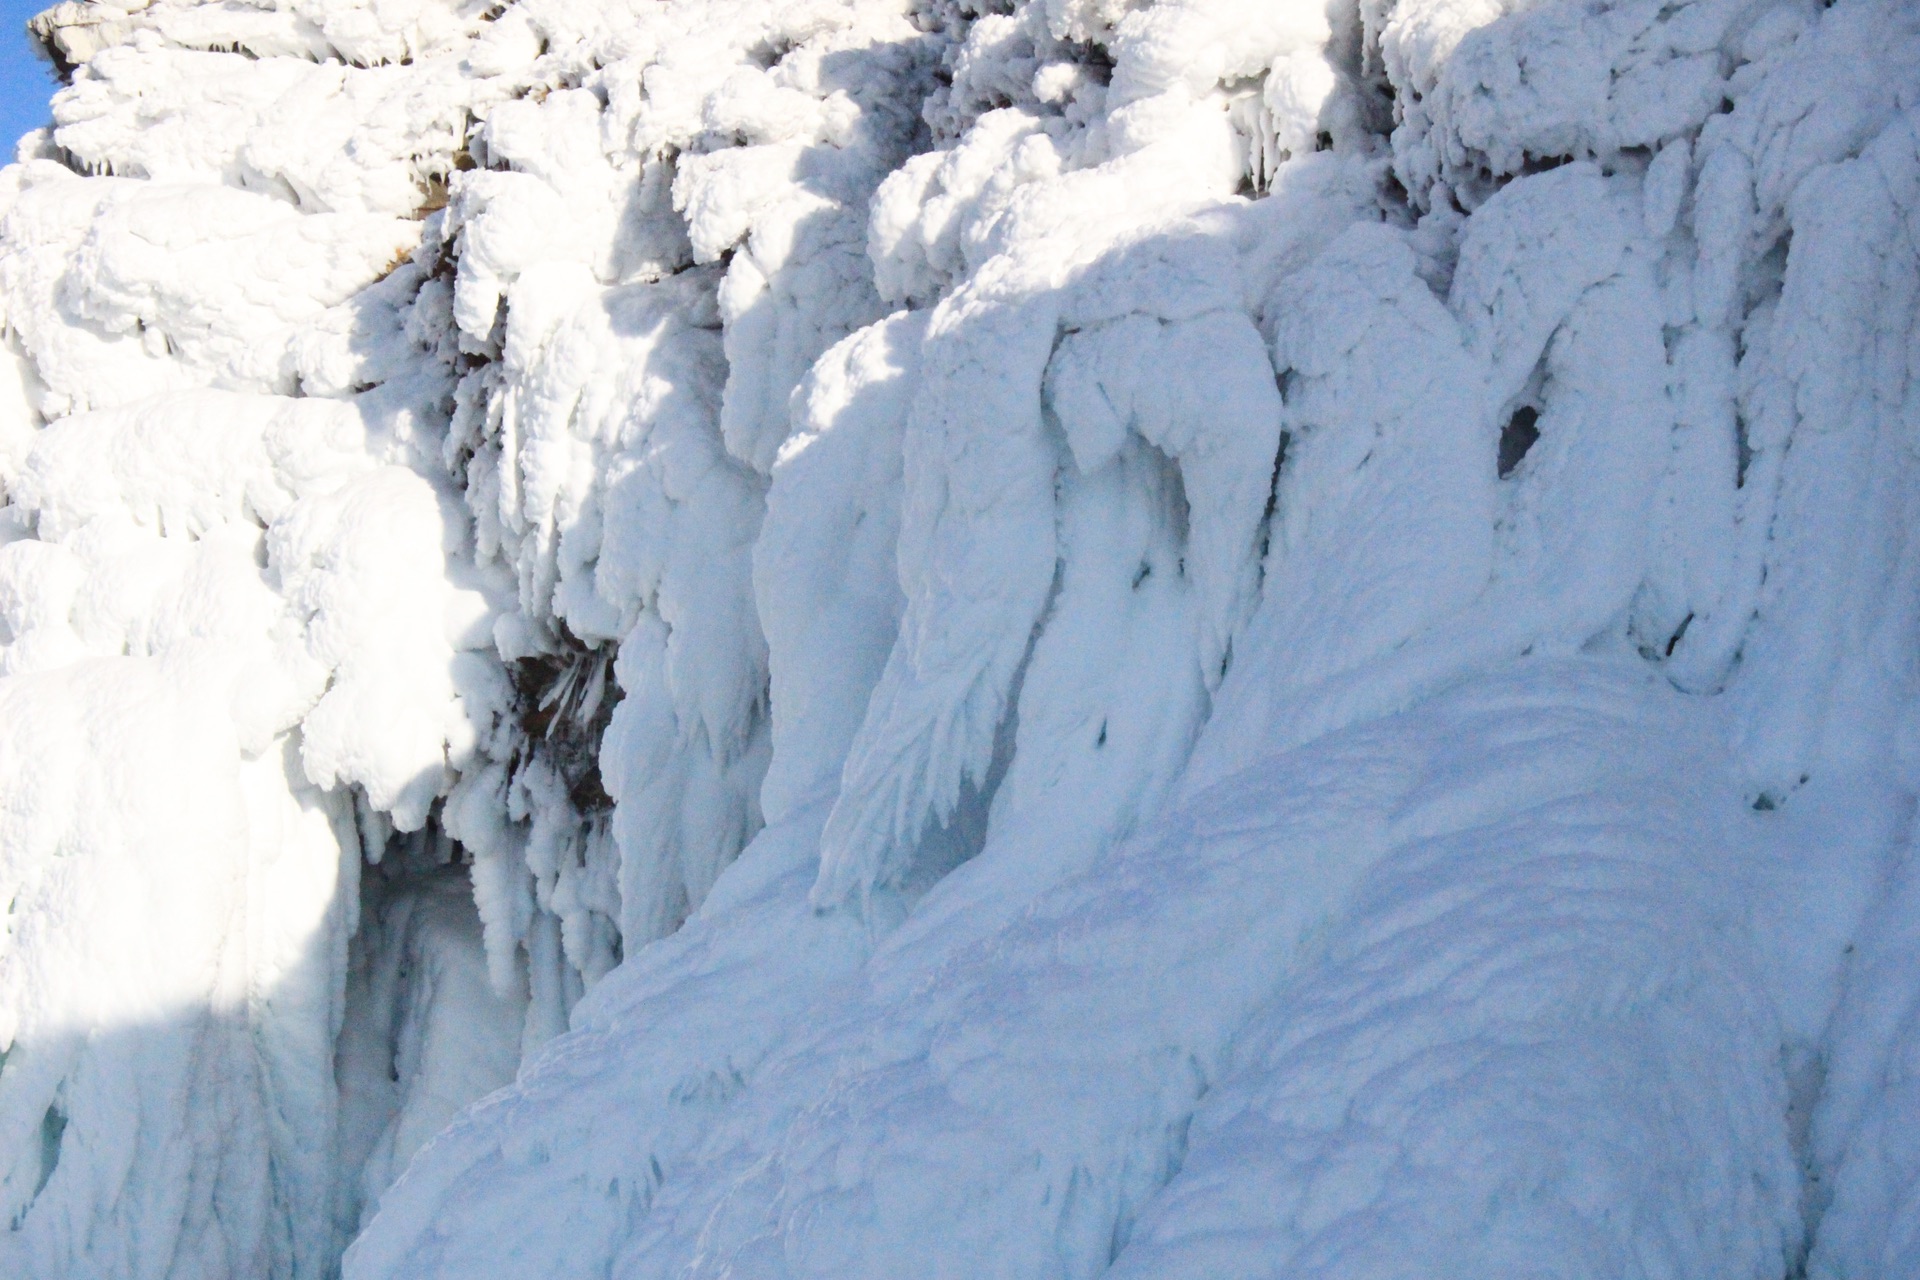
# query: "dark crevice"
1679 634
1517 437
1273 487
564 704
53 1130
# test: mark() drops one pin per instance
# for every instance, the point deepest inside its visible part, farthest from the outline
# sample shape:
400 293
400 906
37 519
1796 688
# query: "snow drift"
961 637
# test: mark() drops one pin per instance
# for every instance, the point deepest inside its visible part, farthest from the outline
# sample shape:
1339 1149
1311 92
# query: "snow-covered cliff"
992 638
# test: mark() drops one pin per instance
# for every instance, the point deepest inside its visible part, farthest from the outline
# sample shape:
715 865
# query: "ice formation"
1008 638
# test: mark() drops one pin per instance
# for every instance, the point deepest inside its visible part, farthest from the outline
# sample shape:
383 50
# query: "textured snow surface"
962 638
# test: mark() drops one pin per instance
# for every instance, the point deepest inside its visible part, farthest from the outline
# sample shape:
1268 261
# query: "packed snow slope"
962 638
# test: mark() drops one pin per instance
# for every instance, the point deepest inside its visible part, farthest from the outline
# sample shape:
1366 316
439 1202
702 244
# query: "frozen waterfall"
1009 639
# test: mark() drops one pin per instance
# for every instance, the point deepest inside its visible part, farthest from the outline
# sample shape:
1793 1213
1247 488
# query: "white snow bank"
1537 1033
167 992
121 289
1007 1092
598 1120
1870 1224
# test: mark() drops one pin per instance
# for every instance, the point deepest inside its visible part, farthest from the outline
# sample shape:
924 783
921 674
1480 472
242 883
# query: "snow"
1536 1031
914 637
1869 1225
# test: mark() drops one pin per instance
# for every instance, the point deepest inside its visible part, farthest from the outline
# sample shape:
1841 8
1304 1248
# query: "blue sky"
25 82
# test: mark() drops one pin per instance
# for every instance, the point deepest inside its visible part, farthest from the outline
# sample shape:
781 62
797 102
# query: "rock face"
934 638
